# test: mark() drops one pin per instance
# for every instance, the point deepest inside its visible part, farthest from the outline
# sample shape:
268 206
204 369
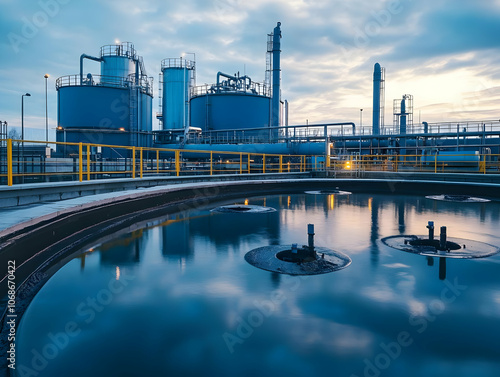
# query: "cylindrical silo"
118 63
225 111
114 108
177 75
233 102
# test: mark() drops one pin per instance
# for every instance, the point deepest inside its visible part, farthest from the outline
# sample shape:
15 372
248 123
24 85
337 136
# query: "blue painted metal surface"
112 108
310 148
402 119
94 107
229 111
120 60
177 74
117 66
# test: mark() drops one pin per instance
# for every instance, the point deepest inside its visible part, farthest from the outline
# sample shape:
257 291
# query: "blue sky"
445 53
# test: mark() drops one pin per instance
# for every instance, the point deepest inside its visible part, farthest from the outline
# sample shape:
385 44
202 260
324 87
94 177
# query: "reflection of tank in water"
176 242
124 250
228 228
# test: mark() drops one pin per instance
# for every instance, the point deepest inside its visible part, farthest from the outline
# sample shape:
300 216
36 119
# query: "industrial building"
239 114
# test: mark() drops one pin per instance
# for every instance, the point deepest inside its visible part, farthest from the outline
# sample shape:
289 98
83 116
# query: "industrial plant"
111 114
239 114
174 239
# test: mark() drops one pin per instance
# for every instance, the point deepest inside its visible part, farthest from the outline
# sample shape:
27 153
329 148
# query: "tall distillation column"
378 98
276 78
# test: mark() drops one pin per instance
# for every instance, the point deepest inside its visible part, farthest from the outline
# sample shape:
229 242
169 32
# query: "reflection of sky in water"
168 300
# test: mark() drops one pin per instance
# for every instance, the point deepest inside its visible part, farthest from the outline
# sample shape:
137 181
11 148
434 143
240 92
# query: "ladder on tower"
269 64
3 151
159 114
133 121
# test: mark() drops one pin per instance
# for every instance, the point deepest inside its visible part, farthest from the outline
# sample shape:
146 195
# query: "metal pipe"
442 238
310 234
442 268
236 79
430 226
85 56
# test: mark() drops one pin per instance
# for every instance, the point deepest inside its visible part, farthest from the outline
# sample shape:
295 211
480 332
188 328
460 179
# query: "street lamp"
22 114
46 112
22 131
361 117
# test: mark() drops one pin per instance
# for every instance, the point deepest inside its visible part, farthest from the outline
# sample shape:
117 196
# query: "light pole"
46 112
360 118
22 132
22 114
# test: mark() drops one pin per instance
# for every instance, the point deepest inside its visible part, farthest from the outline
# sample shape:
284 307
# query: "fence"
441 162
33 161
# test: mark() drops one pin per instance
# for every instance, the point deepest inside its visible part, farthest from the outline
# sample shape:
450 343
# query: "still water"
175 297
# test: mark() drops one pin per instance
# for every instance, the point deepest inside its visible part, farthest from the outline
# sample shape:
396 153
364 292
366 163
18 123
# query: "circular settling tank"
175 297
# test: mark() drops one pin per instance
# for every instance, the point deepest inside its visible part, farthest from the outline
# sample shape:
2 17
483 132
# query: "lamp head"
46 76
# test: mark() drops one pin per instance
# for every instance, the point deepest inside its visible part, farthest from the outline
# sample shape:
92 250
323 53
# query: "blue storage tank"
113 108
118 60
177 76
234 102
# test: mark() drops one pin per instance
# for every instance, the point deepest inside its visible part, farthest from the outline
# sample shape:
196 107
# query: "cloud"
328 48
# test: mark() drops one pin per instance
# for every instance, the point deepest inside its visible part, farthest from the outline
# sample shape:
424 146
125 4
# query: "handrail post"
435 163
157 161
9 162
88 162
80 162
140 159
177 162
211 162
133 162
281 163
241 163
249 164
263 164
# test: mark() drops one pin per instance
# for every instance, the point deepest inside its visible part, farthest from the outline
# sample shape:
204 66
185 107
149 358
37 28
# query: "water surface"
176 298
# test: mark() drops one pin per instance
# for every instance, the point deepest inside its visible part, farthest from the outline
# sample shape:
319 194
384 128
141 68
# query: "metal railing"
431 163
86 161
255 88
145 84
37 161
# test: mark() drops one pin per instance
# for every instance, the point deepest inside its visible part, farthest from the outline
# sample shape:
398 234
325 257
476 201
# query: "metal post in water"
442 268
442 238
310 233
430 226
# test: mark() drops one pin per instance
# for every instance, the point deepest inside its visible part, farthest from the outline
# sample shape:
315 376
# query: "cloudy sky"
445 53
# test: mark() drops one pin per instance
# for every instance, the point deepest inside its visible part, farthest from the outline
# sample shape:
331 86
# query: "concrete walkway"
13 219
23 194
